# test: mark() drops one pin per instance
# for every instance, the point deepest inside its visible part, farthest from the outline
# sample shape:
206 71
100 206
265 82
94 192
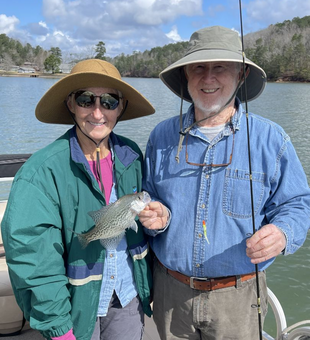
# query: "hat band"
211 49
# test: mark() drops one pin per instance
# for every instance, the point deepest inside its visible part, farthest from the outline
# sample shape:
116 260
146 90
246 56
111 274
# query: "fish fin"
96 215
134 226
111 243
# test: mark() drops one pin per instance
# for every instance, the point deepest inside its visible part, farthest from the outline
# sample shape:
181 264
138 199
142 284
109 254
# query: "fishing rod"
258 305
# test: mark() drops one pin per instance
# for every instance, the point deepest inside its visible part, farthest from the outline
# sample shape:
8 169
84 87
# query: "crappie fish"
112 220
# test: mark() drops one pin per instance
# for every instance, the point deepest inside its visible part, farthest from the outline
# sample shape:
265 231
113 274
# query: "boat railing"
10 164
298 331
6 179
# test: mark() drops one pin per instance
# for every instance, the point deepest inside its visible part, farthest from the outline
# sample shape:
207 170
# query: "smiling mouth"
209 90
96 124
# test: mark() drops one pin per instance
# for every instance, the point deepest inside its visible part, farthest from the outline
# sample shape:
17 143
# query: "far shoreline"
32 75
282 80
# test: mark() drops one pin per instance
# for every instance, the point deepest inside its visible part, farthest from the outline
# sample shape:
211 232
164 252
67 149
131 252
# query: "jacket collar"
123 152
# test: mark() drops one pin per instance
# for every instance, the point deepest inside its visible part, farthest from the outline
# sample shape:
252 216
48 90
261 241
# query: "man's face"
211 84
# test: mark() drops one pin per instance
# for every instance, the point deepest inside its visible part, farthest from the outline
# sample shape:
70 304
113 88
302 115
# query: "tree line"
282 50
12 52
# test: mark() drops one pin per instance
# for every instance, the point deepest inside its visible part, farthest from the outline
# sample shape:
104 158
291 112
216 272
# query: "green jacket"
56 282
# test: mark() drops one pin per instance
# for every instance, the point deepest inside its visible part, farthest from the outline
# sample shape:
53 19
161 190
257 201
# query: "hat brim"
173 76
52 109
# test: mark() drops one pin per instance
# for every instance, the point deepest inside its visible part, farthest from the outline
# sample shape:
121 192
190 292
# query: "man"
201 214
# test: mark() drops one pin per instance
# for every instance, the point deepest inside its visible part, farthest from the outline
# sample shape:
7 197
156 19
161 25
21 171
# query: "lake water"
286 104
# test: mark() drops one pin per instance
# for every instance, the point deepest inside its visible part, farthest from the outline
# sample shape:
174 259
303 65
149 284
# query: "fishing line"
258 306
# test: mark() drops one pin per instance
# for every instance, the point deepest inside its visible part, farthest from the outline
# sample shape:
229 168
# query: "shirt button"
207 176
200 235
203 206
112 277
111 255
197 265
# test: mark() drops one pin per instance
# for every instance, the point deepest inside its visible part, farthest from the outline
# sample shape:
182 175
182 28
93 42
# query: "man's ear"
185 72
247 72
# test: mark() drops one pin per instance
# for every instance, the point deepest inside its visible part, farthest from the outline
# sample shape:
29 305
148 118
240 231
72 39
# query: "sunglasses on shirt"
87 99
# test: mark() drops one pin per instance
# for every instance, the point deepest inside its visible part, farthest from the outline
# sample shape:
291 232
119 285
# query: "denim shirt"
117 274
211 215
118 267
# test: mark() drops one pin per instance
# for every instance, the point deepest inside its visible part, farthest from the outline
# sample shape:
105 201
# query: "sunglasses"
87 99
212 165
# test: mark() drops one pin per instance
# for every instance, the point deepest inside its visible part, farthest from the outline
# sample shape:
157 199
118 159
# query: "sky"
76 26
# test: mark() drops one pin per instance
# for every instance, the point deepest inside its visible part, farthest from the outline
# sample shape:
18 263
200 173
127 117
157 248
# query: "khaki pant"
181 312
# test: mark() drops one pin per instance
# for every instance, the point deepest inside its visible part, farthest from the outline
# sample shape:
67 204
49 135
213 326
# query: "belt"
201 283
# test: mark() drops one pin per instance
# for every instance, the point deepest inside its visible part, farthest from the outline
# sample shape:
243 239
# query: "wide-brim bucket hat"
89 73
212 44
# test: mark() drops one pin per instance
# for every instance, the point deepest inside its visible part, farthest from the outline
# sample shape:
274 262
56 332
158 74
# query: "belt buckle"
192 278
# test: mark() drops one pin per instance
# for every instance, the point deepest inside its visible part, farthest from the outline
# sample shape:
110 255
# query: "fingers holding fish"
154 216
266 243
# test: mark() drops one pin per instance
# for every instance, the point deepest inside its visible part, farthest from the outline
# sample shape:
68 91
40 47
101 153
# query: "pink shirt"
106 165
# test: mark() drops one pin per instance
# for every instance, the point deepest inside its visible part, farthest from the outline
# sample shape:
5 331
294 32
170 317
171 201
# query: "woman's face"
96 111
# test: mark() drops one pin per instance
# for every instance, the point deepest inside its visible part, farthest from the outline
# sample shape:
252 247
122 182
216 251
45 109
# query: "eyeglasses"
212 165
87 99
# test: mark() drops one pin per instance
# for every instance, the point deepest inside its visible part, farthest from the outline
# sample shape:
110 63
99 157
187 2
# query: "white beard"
208 110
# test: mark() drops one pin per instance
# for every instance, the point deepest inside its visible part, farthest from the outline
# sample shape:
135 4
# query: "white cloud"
115 15
123 25
162 11
8 24
174 35
53 8
43 24
57 39
37 29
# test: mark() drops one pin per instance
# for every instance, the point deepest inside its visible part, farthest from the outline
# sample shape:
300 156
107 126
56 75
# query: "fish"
112 220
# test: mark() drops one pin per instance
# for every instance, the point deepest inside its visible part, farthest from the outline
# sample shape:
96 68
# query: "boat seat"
11 317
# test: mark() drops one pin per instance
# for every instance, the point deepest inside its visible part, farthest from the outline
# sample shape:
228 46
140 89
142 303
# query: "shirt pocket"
237 193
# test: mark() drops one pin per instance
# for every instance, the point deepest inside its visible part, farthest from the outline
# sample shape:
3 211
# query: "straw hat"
89 73
213 44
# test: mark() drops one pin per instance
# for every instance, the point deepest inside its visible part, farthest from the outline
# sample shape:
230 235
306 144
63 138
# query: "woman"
66 291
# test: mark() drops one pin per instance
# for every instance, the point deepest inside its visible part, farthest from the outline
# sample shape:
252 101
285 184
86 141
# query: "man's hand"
154 216
267 242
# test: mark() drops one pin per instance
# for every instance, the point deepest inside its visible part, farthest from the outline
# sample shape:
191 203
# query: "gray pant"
181 312
121 323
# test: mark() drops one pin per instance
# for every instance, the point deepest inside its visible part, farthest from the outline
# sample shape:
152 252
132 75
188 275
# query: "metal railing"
294 332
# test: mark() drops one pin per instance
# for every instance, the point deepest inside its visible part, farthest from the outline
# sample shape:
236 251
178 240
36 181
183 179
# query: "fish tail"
72 231
82 240
81 237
